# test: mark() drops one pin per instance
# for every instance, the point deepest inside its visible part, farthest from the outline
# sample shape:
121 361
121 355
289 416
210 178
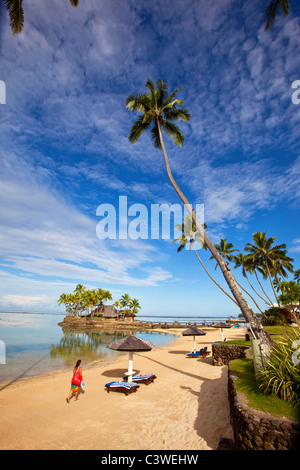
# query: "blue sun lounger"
122 387
146 378
202 353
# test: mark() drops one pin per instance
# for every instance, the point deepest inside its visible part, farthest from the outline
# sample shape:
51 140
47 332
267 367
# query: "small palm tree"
62 299
266 256
134 307
118 305
125 300
226 250
79 293
16 13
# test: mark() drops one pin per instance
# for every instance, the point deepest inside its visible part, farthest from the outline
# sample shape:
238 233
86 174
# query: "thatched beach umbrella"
222 325
193 331
131 344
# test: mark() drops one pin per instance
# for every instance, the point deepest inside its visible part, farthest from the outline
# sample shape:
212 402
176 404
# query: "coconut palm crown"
157 110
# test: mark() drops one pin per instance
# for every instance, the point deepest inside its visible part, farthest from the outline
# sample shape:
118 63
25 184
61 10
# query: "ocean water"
32 344
199 320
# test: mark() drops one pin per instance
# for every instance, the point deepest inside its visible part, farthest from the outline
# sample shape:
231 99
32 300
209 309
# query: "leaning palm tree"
266 256
158 111
272 10
16 13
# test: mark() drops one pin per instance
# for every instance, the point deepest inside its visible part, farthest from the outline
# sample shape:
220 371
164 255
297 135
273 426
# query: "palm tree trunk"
255 290
271 303
220 287
269 274
250 297
259 331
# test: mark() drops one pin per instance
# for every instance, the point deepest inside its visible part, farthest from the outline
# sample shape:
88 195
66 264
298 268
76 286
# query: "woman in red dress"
76 381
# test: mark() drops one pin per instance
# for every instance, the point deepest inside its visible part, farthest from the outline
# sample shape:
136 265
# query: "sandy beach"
185 408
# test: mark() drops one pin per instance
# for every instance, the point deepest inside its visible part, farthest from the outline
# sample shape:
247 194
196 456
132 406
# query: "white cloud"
23 301
235 191
42 235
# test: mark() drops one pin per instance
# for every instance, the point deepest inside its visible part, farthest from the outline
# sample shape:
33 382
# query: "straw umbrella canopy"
131 344
222 325
193 331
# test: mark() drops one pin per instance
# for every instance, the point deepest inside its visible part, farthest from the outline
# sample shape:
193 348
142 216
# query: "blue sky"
65 149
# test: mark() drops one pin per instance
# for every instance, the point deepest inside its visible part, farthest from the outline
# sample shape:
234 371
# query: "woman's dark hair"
77 364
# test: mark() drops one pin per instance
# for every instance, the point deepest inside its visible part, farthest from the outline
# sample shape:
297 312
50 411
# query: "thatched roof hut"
108 311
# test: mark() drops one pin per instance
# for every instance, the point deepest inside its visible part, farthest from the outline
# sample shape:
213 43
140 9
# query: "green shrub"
275 316
281 377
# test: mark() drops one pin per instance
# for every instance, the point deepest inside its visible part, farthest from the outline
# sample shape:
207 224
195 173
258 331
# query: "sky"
64 146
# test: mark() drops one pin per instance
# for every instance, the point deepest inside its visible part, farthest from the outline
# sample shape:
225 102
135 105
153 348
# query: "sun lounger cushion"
202 353
120 384
147 378
196 353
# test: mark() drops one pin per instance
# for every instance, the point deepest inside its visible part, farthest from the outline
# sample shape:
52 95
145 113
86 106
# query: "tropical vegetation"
262 258
281 377
16 13
90 302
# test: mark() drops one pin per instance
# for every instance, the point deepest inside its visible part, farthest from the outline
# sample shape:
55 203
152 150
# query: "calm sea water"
33 344
184 319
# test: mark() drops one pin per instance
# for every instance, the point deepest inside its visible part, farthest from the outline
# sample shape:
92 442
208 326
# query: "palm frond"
152 89
172 95
137 129
272 10
177 114
16 15
138 103
173 131
161 92
155 136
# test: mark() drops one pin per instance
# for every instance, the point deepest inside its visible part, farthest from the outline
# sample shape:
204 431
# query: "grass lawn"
246 382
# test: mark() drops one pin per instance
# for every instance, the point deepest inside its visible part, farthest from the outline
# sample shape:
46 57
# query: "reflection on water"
36 345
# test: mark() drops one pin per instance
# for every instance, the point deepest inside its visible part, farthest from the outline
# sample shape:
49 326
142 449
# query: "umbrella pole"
130 367
194 344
